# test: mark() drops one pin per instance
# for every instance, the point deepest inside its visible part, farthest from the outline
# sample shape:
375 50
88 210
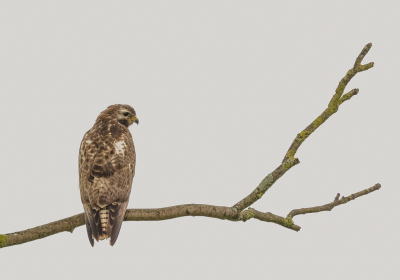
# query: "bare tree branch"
333 105
288 221
237 212
167 213
336 202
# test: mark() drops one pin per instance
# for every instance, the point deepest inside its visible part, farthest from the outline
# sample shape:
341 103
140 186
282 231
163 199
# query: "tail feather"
105 222
104 219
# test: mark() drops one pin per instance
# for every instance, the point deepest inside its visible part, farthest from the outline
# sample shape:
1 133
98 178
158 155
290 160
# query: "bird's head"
124 114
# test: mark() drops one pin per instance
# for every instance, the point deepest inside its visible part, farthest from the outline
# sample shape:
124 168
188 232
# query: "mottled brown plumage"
106 168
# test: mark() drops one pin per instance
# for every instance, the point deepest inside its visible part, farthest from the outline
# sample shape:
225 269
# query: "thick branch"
167 213
68 224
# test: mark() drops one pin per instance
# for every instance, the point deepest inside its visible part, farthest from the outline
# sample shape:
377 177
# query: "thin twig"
336 202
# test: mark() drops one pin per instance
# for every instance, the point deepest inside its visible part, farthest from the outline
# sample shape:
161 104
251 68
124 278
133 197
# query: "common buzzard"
106 168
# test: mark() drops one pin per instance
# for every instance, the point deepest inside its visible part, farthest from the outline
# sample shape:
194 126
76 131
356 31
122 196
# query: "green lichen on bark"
304 134
342 85
290 153
361 68
333 106
288 222
287 164
266 183
317 122
3 240
348 95
246 215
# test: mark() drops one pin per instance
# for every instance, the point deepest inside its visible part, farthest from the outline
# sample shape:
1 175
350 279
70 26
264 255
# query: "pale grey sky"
221 89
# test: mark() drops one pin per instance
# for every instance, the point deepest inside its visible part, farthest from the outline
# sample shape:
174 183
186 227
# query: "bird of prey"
106 168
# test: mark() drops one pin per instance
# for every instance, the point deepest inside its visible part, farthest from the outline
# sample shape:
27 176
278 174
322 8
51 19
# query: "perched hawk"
106 169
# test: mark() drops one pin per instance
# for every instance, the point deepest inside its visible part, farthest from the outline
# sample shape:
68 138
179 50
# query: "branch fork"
240 211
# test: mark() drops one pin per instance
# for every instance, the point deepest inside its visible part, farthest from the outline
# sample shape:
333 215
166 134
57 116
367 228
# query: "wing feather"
89 229
116 220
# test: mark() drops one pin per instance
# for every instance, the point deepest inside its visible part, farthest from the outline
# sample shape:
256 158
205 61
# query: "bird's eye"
125 114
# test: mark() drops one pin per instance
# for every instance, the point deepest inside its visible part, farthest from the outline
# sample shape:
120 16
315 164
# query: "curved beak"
133 120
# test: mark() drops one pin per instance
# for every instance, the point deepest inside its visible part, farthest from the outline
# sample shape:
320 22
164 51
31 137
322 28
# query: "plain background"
221 89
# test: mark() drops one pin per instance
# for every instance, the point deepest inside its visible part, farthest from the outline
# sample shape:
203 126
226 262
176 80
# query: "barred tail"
104 220
104 223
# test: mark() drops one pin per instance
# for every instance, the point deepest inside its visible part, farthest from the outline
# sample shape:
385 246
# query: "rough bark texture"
237 212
